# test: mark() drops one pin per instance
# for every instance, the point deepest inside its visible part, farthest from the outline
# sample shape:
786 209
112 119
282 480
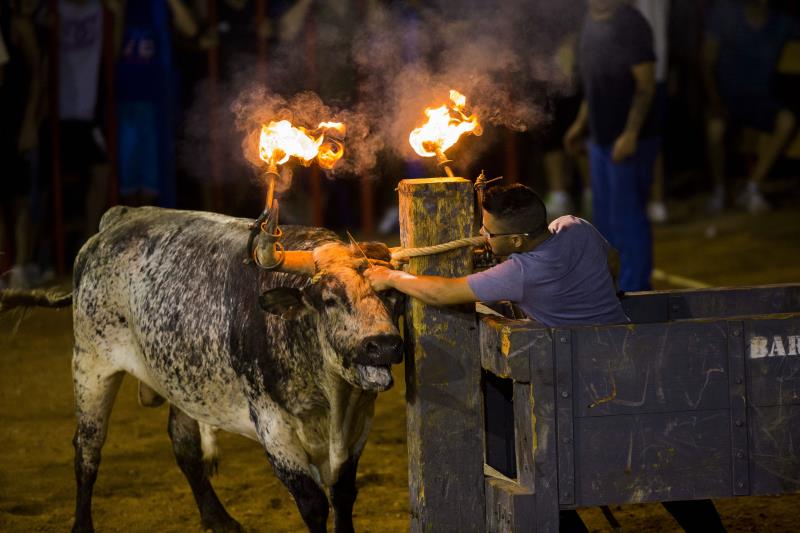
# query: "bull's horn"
269 255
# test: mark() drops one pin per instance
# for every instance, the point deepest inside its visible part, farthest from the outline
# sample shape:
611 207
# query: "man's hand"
624 146
563 223
378 277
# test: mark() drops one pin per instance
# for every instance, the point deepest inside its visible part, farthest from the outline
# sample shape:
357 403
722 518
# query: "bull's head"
356 325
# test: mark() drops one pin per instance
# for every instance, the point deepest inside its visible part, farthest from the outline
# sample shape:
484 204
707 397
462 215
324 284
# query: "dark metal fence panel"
652 457
650 368
772 349
663 306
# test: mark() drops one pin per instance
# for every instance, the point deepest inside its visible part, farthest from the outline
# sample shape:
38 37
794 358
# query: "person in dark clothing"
744 42
617 68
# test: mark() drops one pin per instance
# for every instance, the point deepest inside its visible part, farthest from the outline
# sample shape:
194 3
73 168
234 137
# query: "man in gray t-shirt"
559 279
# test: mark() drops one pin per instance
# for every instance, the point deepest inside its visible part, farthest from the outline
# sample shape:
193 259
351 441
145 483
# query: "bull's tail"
13 298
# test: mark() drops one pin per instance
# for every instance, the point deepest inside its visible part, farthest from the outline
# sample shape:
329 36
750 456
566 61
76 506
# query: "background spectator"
744 42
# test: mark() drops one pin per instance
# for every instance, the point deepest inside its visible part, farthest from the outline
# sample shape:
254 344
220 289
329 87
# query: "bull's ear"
285 302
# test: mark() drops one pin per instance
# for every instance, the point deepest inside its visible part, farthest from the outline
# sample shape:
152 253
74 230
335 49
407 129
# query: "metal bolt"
675 307
565 494
565 440
738 381
563 340
564 394
740 484
736 333
739 423
739 455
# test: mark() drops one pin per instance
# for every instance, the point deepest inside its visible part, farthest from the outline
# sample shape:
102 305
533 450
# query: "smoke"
377 72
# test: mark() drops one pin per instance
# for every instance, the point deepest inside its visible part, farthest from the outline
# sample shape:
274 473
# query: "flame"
445 125
280 141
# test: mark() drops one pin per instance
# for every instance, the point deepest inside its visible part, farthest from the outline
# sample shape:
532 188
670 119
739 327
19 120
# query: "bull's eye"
330 302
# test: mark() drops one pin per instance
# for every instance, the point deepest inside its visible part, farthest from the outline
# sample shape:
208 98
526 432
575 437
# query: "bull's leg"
343 496
309 497
186 443
96 384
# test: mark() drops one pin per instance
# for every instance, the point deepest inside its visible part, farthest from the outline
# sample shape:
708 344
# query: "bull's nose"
381 350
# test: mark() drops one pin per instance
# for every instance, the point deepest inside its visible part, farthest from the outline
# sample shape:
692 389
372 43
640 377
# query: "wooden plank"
525 436
562 348
443 391
650 368
652 457
738 405
505 345
509 507
722 302
772 346
774 449
545 458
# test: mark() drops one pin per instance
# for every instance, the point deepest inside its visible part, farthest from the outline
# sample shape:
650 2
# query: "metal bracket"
565 444
740 460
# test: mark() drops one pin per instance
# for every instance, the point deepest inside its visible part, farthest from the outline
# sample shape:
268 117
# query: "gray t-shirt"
563 282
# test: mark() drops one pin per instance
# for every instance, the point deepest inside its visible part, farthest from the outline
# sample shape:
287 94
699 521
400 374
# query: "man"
617 67
744 42
559 276
558 279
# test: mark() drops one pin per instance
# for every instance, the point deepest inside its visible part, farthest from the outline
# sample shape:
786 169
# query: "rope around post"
399 254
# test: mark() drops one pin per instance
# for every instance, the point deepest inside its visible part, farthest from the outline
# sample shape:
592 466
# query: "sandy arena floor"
141 489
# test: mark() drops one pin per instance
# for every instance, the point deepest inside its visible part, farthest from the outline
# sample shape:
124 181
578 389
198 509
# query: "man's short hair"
518 207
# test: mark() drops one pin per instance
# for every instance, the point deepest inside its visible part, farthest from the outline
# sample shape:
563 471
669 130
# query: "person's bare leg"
769 152
556 170
715 138
96 197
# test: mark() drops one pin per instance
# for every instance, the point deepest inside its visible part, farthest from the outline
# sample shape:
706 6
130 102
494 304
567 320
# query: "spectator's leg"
698 516
715 138
96 197
556 167
770 151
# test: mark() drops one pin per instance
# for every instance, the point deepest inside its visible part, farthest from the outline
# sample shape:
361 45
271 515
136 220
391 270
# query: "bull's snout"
380 350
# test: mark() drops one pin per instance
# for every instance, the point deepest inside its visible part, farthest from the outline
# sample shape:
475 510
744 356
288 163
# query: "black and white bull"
292 361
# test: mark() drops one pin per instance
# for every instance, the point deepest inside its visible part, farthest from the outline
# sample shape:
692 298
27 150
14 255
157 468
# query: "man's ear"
285 302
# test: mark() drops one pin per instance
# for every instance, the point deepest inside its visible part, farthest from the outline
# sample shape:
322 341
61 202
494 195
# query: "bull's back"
168 288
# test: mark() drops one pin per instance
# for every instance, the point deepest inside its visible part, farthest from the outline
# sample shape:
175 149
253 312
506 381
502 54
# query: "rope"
399 254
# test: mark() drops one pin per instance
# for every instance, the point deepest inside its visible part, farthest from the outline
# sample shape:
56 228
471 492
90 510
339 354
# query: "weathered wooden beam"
445 430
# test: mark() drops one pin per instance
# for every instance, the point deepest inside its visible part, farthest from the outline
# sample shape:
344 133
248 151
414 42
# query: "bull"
293 359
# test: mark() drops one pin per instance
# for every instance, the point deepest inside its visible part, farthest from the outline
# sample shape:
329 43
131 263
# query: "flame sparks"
280 141
445 125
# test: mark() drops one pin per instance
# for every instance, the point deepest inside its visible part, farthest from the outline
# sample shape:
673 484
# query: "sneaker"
657 212
18 278
558 203
752 200
756 203
717 201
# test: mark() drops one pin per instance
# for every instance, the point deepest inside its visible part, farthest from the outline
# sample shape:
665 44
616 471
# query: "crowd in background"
97 92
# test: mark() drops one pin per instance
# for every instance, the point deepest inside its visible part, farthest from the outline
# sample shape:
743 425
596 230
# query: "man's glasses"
489 235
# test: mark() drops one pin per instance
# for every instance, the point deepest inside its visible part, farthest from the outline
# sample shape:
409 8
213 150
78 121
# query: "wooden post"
445 430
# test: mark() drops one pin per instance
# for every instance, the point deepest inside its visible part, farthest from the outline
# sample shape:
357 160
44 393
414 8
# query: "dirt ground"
141 489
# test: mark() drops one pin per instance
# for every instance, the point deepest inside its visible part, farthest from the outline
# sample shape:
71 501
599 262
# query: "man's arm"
433 290
645 78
